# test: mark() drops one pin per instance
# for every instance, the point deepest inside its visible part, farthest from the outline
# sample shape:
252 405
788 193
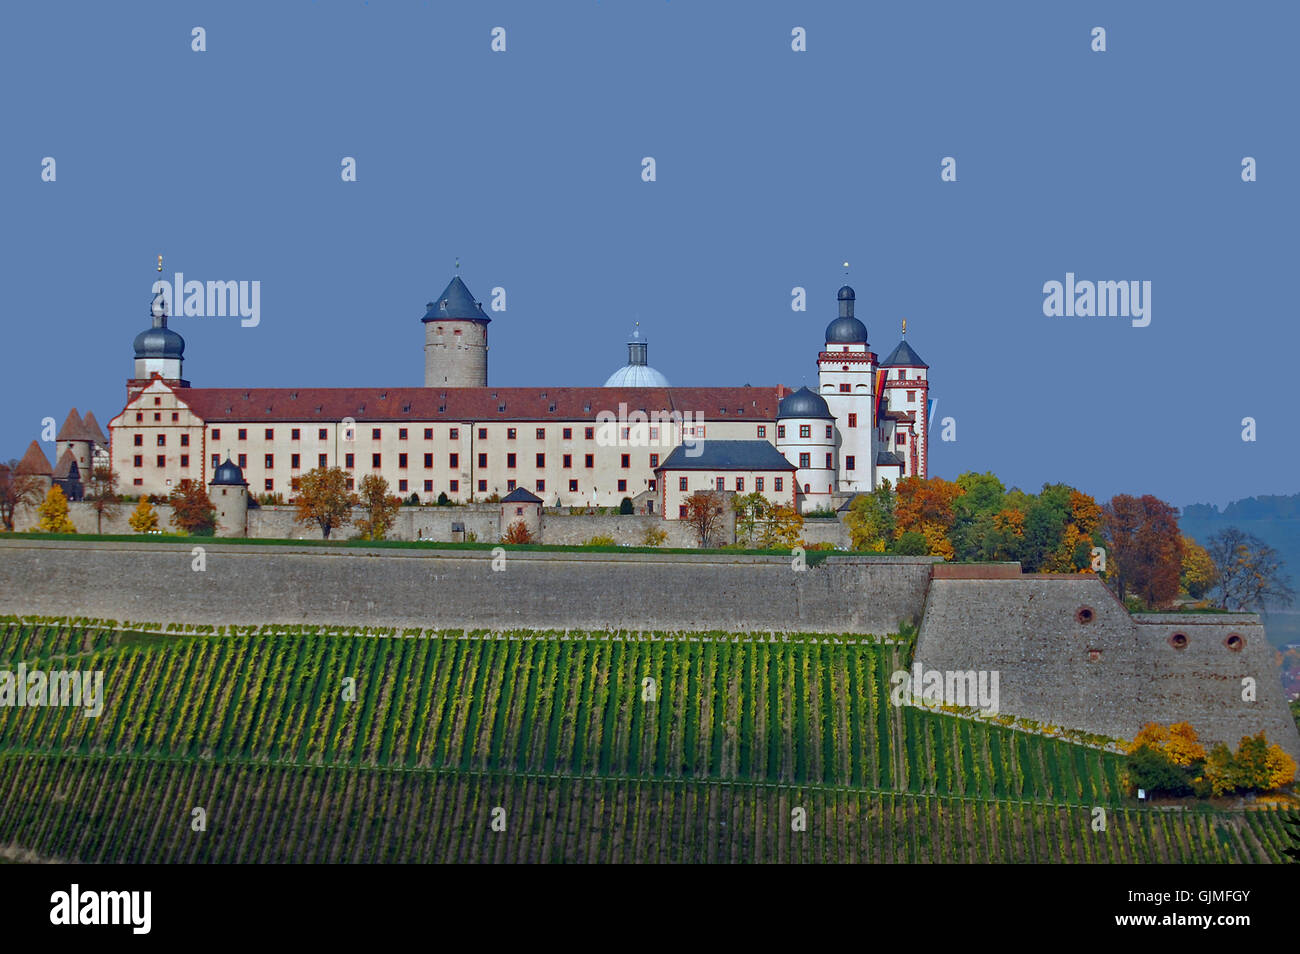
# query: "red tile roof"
488 404
71 429
91 430
63 469
34 462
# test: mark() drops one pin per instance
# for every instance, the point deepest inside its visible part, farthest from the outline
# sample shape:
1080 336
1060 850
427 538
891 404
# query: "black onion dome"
228 474
806 404
159 342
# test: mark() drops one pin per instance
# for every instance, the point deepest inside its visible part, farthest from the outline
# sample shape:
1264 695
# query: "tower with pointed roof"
455 340
845 380
904 403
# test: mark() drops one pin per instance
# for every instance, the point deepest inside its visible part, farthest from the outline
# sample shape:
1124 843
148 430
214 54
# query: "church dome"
637 373
228 474
805 404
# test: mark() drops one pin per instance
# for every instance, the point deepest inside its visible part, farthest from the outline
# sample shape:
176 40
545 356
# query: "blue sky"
773 167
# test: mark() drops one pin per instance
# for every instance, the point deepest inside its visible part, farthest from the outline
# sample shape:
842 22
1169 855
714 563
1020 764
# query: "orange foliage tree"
926 507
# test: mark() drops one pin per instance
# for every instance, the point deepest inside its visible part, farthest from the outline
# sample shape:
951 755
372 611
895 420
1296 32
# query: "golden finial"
160 263
904 326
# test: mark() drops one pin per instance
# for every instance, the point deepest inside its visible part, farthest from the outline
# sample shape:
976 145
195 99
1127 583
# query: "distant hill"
1276 521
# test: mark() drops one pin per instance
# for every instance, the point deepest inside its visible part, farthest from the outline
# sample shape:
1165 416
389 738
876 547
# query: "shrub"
911 543
600 540
653 537
517 532
443 500
625 506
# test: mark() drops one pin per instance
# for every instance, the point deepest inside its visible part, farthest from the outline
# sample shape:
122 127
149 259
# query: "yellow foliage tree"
1199 571
1281 767
144 519
1152 735
54 513
782 528
1183 747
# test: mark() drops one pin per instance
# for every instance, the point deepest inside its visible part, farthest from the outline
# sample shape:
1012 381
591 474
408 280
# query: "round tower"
805 434
228 491
455 340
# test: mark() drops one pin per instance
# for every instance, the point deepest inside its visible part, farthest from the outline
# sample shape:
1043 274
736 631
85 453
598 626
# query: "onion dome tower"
455 339
159 349
228 491
846 379
805 434
637 373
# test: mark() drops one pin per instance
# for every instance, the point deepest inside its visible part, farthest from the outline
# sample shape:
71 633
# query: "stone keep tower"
455 340
228 491
845 376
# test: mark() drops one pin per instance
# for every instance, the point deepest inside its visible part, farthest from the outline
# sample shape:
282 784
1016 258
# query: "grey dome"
806 404
845 294
847 330
160 342
228 475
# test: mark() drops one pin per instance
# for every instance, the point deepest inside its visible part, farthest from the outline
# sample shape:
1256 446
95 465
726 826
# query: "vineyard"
307 746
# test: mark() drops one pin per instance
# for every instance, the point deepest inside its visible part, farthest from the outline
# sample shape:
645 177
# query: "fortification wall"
250 584
1106 672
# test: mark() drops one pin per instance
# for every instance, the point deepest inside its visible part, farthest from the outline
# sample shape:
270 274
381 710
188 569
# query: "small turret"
228 491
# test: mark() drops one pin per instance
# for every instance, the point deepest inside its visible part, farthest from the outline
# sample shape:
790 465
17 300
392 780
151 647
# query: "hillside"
560 731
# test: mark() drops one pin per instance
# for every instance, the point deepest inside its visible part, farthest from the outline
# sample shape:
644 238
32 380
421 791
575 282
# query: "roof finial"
846 269
160 262
457 264
904 326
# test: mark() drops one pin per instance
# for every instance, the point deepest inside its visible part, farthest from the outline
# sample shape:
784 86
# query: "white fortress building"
636 437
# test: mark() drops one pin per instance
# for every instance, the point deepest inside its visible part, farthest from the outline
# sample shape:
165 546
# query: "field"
578 746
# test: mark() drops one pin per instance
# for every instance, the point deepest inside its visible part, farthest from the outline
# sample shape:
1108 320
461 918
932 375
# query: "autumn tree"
1198 570
101 494
380 508
750 509
192 510
704 514
16 490
926 507
1248 572
781 528
517 532
1178 741
144 519
324 499
1142 533
53 513
871 519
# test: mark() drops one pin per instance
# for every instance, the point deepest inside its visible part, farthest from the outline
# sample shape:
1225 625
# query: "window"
758 484
157 401
139 416
242 461
805 489
139 460
805 430
482 433
510 485
157 417
626 461
401 461
681 510
401 436
911 395
588 433
351 483
482 460
654 461
718 483
573 486
428 436
185 440
853 420
568 433
482 486
270 433
829 465
590 461
510 433
139 440
454 434
541 433
624 433
453 461
654 433
322 460
762 430
568 461
322 434
510 460
270 484
454 486
216 433
650 503
845 389
902 375
295 434
622 486
830 430
541 486
541 460
270 461
428 486
900 439
780 430
348 460
294 461
162 440
740 485
216 461
849 462
185 460
138 481
294 483
681 483
175 416
805 460
162 460
243 434
778 484
376 461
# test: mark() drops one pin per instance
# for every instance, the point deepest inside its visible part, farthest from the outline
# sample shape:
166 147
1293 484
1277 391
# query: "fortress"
1067 653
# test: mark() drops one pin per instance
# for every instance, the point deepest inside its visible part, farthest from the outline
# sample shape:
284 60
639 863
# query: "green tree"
1151 769
751 509
910 543
871 519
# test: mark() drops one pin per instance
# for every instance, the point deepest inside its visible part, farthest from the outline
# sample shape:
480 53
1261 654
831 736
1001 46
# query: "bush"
517 532
414 499
1152 770
655 537
910 544
821 513
600 540
625 506
443 500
